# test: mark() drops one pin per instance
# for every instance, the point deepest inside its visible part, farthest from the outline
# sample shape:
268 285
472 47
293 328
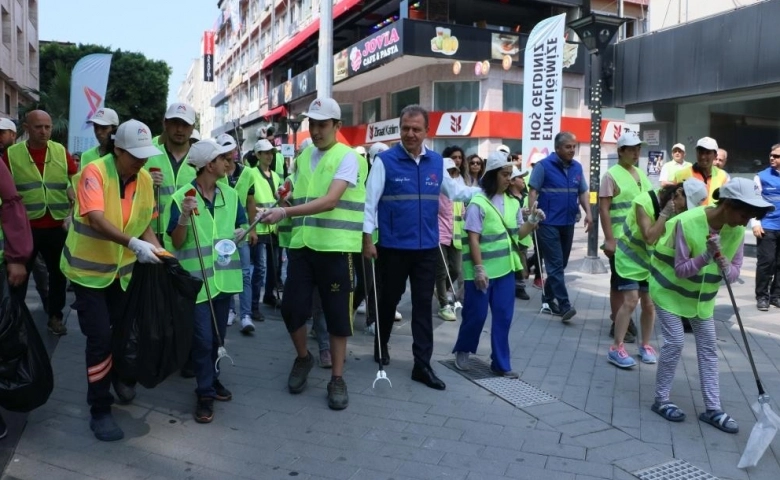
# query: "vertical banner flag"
208 56
542 87
88 84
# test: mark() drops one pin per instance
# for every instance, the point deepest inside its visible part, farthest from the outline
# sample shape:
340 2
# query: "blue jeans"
555 245
500 297
257 254
245 297
205 344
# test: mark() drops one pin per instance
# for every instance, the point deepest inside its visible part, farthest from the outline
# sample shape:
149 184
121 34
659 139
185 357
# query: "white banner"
542 87
88 84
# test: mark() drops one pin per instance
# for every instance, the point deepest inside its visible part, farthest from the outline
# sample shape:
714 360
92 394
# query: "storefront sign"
543 84
298 86
652 137
376 50
384 131
615 129
456 124
208 56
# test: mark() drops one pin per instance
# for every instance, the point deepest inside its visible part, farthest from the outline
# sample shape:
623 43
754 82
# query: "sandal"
669 411
720 420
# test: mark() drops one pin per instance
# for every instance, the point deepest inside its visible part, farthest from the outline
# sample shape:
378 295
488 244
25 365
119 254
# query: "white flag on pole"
88 84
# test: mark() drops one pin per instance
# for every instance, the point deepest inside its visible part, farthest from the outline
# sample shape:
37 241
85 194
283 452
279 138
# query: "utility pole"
325 60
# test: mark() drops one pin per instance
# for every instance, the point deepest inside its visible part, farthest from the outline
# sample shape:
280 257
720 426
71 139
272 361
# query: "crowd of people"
338 229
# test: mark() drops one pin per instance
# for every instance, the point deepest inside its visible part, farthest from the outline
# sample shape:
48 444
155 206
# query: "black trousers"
419 267
49 242
768 266
364 290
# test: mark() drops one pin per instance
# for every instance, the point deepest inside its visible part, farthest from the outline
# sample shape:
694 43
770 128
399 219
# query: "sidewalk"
600 426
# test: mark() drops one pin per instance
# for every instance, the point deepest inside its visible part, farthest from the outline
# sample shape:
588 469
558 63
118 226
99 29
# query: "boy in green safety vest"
494 222
699 248
217 214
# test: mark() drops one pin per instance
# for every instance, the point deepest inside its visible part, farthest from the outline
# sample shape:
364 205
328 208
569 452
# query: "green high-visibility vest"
632 256
692 297
629 190
526 241
265 198
41 192
499 257
89 156
211 229
284 228
457 224
339 230
279 164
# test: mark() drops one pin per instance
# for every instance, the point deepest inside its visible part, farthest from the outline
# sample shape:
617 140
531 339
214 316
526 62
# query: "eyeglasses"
774 156
475 162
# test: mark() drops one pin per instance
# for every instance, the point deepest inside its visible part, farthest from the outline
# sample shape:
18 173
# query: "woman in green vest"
699 247
494 223
217 214
264 254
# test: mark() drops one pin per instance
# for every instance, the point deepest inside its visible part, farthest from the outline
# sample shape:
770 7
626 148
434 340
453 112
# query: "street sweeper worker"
111 230
200 216
699 247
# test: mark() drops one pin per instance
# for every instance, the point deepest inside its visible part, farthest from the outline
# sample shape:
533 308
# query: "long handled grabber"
540 265
457 303
221 351
380 374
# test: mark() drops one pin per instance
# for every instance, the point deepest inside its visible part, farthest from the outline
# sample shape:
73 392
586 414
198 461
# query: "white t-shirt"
670 169
348 168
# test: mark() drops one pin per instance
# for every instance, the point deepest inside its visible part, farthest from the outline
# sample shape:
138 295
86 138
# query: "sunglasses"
475 162
774 156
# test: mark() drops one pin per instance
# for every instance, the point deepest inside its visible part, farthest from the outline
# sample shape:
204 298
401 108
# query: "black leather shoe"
385 355
425 374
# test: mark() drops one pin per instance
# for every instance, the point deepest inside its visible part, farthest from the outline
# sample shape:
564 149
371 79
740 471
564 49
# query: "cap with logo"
263 145
707 143
497 160
503 148
361 150
744 190
135 138
695 192
516 172
195 135
324 109
629 139
104 116
7 124
678 146
226 140
204 152
376 149
181 111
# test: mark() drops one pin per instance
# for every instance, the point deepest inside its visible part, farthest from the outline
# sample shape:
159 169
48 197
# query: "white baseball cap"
503 148
104 116
629 139
449 163
707 143
205 151
680 146
745 191
182 111
361 150
376 149
7 124
226 140
195 134
497 160
324 109
263 145
695 192
516 172
136 138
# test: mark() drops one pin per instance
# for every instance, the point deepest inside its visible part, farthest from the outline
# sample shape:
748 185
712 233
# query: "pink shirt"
685 266
445 220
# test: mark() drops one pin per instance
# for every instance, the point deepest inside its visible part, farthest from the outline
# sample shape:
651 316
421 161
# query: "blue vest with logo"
770 190
409 207
559 195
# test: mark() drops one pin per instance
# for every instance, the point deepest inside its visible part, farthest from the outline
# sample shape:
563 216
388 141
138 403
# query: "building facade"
18 54
195 91
670 13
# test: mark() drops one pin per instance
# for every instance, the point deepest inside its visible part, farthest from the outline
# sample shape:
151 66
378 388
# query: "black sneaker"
299 374
105 428
775 302
521 293
338 399
763 304
554 308
257 316
223 394
565 313
204 410
3 428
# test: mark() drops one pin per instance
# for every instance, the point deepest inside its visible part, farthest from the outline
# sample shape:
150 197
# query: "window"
33 62
7 27
33 12
372 110
401 99
20 45
571 101
456 96
513 97
7 104
347 114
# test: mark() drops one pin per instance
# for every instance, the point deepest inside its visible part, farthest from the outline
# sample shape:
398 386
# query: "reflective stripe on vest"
91 260
457 225
264 198
499 257
629 190
171 181
41 192
632 256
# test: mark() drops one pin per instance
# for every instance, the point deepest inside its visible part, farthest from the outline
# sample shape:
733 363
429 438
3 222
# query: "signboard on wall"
371 52
456 124
384 131
298 86
615 129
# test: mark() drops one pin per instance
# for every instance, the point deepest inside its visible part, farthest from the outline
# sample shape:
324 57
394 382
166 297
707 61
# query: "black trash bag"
153 337
26 378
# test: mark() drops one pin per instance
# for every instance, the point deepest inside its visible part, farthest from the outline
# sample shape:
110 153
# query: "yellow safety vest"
718 178
41 192
526 241
632 256
90 259
629 190
89 156
499 255
341 229
171 182
457 224
264 198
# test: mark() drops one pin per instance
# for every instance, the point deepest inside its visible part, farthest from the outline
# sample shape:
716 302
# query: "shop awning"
280 110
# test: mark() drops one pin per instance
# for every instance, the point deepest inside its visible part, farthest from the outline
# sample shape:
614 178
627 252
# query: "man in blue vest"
558 184
402 201
767 231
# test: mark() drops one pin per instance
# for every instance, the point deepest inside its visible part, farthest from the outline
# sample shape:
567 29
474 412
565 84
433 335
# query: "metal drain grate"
675 470
515 392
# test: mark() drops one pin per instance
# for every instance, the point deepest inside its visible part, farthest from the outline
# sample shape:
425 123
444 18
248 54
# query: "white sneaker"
361 308
370 329
398 316
247 326
231 317
447 313
462 361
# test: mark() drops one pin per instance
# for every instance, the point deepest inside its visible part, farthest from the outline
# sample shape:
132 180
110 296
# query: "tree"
137 86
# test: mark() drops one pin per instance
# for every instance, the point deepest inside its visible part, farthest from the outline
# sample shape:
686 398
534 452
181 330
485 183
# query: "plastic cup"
225 248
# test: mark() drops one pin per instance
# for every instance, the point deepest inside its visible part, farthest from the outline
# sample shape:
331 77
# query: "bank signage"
615 129
378 49
384 131
456 124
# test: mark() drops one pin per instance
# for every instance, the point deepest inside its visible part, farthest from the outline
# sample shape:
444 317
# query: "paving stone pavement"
600 427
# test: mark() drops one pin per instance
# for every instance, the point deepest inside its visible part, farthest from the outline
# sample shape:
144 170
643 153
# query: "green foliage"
137 86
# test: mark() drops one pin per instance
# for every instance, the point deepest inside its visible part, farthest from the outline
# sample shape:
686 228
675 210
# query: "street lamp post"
596 31
295 124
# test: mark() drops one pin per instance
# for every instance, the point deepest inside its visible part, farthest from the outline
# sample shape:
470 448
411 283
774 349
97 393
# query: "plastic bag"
761 436
26 378
153 337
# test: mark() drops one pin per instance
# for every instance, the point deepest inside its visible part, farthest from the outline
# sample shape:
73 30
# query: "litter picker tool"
540 265
768 421
221 351
457 303
282 192
157 202
380 374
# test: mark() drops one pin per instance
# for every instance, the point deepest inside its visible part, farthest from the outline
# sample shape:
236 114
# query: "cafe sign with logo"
378 49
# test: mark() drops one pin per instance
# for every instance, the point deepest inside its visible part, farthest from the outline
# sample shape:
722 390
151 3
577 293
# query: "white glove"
536 215
238 235
145 251
668 210
713 245
480 278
